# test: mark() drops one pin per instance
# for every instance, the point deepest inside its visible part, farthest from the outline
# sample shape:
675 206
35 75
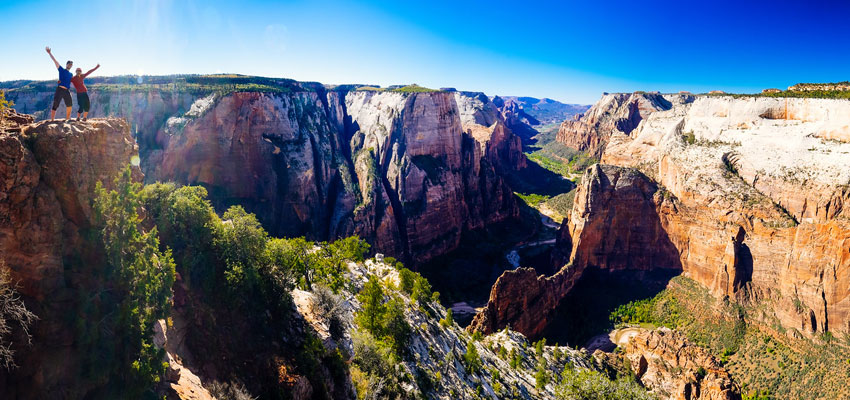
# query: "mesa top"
77 80
65 78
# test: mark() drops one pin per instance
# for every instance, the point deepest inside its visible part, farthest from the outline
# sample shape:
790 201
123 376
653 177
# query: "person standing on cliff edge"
82 93
63 92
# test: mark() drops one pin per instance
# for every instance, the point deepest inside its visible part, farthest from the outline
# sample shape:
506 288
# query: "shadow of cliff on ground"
584 312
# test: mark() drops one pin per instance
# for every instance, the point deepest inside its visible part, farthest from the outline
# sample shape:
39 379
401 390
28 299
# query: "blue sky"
566 50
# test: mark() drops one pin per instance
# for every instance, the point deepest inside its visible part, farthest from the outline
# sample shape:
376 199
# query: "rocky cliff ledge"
667 364
48 173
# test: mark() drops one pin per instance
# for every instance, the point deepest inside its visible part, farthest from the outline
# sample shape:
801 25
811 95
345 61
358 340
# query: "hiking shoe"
85 119
78 119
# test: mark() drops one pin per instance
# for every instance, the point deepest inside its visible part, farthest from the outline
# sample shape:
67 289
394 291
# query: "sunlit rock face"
747 196
410 172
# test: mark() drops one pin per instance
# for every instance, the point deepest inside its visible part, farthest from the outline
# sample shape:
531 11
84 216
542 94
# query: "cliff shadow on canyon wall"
618 246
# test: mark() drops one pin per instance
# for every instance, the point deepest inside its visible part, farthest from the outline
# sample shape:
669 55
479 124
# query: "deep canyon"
748 197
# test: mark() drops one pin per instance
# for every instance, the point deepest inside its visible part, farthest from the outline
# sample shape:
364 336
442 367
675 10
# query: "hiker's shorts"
83 102
60 95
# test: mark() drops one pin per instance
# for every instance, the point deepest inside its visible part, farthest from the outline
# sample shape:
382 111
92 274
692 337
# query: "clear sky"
567 50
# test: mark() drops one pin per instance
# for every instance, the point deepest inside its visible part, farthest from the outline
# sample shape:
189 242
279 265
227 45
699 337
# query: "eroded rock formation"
748 196
617 112
667 364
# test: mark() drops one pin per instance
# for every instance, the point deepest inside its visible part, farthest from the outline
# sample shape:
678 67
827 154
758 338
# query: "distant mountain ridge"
545 110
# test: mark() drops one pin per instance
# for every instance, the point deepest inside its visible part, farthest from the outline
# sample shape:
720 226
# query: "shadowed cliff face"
614 226
410 172
49 174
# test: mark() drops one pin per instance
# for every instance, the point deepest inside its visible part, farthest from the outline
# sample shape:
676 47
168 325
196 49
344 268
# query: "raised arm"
91 70
53 58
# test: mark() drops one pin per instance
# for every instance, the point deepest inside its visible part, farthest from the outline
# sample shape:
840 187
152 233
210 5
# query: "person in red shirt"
82 92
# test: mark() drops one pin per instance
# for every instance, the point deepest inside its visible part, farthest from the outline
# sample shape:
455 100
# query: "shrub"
229 391
471 358
13 312
241 243
516 359
448 320
541 376
476 336
539 346
4 105
406 278
329 305
557 354
371 298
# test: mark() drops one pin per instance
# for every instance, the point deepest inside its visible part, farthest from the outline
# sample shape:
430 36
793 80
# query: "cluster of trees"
231 260
136 289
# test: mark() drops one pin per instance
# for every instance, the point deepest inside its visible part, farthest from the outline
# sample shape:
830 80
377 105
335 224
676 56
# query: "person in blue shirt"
63 92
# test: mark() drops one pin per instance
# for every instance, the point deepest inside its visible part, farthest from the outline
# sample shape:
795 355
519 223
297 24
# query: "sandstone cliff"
407 171
48 173
747 196
618 112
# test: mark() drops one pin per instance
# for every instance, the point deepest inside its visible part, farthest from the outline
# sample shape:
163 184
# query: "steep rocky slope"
613 113
48 173
747 196
408 171
672 367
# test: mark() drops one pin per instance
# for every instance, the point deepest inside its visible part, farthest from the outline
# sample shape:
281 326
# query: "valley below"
296 240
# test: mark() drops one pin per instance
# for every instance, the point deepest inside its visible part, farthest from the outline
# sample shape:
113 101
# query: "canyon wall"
747 196
410 172
613 113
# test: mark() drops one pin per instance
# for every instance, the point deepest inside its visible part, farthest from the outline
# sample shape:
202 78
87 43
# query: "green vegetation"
383 320
766 363
539 346
541 376
593 385
414 88
448 320
241 278
471 359
516 359
532 199
143 276
4 105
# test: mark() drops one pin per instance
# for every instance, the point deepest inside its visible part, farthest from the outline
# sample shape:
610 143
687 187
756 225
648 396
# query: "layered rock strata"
747 196
407 171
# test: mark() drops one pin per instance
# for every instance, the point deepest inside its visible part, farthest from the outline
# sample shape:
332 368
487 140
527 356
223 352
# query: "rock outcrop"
48 173
407 171
613 113
667 364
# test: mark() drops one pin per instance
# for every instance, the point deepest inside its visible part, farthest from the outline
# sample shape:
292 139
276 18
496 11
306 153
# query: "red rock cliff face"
401 170
47 177
751 207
